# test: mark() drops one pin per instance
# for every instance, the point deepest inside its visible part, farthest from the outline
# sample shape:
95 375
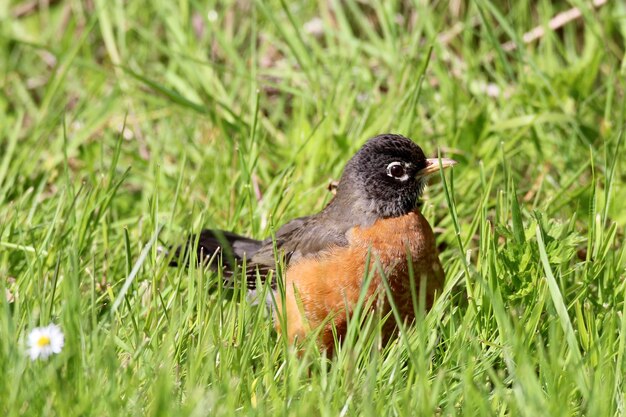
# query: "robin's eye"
396 170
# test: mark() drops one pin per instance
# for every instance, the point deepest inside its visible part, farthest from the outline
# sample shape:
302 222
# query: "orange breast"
324 289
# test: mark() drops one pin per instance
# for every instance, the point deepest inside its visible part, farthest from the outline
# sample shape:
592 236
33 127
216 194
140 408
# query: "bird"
372 225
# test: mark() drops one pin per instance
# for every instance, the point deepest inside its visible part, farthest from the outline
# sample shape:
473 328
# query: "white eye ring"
395 175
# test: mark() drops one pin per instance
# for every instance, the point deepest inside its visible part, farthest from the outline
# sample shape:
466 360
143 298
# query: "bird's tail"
233 249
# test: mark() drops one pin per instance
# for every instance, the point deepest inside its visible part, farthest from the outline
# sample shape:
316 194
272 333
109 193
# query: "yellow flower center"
43 341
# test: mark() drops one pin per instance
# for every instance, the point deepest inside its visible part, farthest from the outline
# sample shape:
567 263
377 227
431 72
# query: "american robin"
371 226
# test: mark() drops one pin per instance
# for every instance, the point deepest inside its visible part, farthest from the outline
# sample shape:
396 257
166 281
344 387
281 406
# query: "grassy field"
127 125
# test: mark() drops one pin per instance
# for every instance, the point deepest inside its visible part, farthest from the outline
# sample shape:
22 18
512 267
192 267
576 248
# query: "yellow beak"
432 166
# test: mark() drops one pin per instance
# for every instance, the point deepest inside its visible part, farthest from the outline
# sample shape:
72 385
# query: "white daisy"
44 341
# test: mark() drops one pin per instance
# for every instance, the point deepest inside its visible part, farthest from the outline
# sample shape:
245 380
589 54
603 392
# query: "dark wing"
300 238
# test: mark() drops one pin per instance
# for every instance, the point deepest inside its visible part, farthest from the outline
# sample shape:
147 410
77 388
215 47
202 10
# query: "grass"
127 125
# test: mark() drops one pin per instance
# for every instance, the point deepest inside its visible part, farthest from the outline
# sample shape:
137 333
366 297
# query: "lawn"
127 125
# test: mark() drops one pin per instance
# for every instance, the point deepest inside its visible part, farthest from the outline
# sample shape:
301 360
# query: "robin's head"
386 177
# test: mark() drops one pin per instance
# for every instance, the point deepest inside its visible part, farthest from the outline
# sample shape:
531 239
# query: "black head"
385 178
